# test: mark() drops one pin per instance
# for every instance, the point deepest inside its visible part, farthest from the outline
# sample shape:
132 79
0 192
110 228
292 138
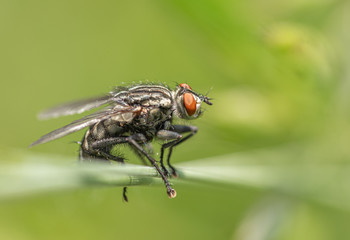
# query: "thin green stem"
318 182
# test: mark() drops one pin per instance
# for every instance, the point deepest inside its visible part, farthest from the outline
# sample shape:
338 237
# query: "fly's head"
188 103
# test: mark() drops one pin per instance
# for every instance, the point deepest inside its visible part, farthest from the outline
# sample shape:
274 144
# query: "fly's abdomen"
86 152
99 131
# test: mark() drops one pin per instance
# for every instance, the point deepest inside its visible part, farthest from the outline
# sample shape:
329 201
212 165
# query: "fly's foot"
125 196
173 171
171 193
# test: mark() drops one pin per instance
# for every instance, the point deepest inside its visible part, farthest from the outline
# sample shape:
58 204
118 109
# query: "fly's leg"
99 145
171 192
162 163
109 156
177 129
133 141
125 197
103 153
117 159
97 156
166 135
139 155
86 155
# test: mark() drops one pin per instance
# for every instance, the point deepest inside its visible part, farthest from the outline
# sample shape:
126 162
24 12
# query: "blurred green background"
280 77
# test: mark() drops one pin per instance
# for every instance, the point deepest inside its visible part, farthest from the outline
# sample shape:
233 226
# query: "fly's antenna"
211 88
202 97
206 99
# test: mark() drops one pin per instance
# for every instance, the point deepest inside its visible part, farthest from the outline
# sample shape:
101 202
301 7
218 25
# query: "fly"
134 115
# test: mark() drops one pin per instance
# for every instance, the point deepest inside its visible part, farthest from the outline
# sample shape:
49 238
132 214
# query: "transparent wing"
75 107
87 121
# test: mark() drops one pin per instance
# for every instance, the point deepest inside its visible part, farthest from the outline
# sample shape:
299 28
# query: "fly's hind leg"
106 143
106 153
102 154
125 196
134 140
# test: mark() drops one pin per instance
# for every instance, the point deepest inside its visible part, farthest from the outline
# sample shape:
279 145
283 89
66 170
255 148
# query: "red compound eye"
190 103
185 85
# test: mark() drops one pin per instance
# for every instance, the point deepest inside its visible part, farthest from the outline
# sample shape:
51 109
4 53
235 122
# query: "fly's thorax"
154 114
187 103
126 117
155 103
151 117
112 127
147 96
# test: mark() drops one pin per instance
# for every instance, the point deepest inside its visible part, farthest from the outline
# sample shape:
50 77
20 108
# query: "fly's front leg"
176 134
171 192
133 141
166 135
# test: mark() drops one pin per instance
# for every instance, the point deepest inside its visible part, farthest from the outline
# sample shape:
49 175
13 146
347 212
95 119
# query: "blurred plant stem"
265 219
266 170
